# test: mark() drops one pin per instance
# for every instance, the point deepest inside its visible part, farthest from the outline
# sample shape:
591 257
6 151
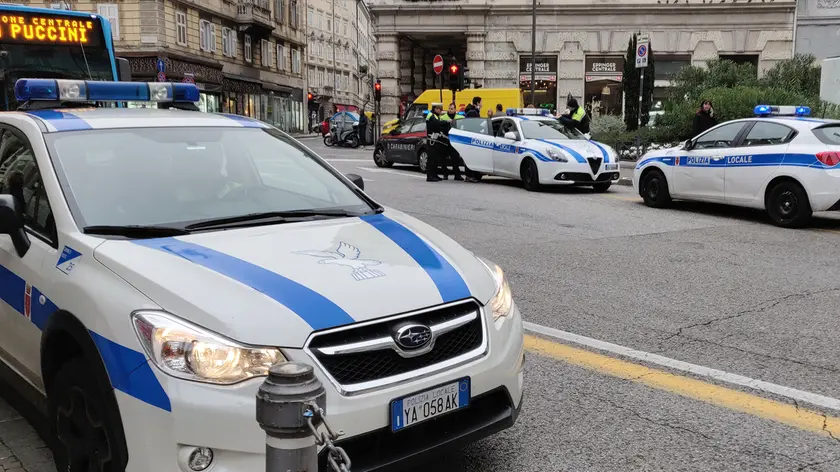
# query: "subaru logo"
413 336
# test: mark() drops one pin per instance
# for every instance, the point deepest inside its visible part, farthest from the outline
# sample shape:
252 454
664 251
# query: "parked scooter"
348 137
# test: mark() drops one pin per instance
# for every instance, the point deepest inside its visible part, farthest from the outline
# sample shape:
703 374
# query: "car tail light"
829 158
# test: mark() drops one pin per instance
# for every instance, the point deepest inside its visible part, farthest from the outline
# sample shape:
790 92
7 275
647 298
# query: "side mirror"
12 224
123 69
357 180
686 145
510 135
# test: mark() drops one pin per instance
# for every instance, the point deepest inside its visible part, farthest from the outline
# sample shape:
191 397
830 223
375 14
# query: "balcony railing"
250 11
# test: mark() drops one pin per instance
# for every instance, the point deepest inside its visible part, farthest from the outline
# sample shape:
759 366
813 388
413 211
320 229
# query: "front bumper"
223 418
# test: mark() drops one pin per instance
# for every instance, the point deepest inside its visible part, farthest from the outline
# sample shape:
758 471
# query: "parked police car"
781 161
155 262
531 146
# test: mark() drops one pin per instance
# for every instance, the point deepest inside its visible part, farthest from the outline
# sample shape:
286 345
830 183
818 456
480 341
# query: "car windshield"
548 129
177 176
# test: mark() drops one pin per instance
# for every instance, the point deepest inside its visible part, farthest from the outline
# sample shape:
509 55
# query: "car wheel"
379 158
423 160
530 176
83 438
788 205
601 188
654 190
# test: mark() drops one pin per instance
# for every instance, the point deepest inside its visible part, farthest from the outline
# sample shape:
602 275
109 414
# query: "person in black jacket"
363 126
473 110
437 132
704 118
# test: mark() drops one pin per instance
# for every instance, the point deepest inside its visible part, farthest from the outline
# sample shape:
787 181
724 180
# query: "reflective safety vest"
445 117
579 114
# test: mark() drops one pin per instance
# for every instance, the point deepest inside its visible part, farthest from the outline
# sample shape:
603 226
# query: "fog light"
201 458
616 176
563 176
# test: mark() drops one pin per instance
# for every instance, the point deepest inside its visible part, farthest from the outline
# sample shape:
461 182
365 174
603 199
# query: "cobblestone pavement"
21 449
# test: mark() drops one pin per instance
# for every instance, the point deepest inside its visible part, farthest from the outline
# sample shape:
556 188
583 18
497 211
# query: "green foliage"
801 73
691 82
606 124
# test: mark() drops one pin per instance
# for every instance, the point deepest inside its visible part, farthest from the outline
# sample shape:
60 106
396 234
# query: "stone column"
388 67
475 56
422 65
405 66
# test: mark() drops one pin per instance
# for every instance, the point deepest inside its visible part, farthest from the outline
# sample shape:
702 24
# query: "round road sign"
438 64
161 77
642 51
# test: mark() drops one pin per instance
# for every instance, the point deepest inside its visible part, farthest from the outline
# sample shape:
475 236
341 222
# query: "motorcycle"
343 138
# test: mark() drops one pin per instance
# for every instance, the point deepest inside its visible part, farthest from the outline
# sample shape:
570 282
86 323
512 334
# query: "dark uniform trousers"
438 145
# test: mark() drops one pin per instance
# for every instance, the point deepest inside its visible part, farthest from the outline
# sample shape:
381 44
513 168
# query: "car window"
416 109
765 133
508 126
720 137
418 127
497 126
547 129
21 178
828 134
167 176
474 125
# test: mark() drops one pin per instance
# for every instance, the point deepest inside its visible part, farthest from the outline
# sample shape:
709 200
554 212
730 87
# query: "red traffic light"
309 96
453 69
378 86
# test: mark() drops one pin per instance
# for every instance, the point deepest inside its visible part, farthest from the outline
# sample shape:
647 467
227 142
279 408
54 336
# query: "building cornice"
590 10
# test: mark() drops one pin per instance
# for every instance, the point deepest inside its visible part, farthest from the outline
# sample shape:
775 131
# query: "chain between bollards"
290 409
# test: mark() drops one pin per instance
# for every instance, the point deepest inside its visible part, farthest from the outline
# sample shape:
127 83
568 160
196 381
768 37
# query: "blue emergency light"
528 111
100 91
767 110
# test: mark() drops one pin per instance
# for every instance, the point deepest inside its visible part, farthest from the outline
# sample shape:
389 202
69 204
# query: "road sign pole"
641 94
642 55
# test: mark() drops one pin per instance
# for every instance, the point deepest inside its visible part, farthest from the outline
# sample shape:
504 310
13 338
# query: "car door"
755 160
412 138
505 158
699 171
474 141
393 142
25 310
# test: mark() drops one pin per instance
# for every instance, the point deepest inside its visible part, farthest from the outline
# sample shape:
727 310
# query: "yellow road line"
688 387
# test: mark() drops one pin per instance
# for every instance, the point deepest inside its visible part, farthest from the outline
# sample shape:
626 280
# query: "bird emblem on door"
348 256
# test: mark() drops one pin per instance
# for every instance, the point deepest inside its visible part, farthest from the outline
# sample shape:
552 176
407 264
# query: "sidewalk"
21 449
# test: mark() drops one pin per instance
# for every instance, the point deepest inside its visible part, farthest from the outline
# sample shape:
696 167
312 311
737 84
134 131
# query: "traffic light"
309 97
464 82
454 77
377 90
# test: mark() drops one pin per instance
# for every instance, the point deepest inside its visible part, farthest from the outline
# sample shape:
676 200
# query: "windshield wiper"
135 231
274 217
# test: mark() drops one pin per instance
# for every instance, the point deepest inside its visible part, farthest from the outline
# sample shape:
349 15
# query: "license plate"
419 407
610 166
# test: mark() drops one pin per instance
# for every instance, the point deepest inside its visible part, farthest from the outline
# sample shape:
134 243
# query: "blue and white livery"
531 146
782 161
167 258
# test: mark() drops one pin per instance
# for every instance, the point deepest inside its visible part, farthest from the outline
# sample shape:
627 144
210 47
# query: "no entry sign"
438 64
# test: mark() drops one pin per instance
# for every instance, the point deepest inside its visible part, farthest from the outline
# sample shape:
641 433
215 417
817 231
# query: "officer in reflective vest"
452 154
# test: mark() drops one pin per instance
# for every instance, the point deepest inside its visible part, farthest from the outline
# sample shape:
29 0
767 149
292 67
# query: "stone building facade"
580 44
246 56
818 28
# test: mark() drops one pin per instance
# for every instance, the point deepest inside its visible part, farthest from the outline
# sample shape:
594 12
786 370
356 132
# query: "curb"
626 181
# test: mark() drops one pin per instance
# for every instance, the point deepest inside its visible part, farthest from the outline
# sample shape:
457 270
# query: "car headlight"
186 351
502 302
554 154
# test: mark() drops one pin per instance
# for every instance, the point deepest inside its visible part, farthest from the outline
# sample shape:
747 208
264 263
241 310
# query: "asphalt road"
726 300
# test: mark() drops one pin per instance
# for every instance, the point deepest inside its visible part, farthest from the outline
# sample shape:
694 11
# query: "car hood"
274 285
582 147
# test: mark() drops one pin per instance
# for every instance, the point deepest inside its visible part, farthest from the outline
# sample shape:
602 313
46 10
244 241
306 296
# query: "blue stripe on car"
448 281
244 120
739 160
455 138
61 120
576 155
603 152
315 309
129 370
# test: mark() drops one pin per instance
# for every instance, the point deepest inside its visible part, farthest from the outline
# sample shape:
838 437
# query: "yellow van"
508 97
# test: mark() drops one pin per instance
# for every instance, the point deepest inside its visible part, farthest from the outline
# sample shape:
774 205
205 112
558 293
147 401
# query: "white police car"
166 258
781 161
532 146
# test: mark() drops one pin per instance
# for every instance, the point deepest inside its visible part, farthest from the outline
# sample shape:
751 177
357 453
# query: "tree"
801 74
630 84
650 77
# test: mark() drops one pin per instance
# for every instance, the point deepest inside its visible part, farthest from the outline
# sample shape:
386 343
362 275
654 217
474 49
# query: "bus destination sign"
31 28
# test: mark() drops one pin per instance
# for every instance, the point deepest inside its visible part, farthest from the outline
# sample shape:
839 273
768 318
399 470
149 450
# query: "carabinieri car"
154 263
531 146
782 161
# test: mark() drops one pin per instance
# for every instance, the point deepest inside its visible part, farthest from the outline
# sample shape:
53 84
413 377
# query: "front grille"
348 369
594 163
581 177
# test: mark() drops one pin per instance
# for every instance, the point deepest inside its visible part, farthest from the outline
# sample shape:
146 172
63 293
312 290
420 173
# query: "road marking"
734 379
690 388
395 172
345 160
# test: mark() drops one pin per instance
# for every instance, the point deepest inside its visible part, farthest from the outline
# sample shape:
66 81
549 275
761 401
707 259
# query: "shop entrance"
603 91
545 85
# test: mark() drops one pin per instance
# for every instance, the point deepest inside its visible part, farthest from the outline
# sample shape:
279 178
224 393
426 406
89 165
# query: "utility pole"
533 51
335 65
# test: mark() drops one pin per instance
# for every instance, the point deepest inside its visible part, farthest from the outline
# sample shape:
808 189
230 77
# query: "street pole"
641 94
533 52
283 401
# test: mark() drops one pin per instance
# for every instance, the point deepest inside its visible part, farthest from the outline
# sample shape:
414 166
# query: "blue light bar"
767 110
528 112
96 91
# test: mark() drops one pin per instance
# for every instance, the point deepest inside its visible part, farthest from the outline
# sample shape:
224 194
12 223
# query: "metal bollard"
284 408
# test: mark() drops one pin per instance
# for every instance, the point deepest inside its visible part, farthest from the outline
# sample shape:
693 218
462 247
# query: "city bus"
55 44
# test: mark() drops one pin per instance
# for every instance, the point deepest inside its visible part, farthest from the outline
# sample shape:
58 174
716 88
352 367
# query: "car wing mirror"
510 135
686 145
11 223
357 180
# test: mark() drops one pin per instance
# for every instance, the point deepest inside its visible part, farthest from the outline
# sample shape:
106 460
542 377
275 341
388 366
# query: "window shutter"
212 37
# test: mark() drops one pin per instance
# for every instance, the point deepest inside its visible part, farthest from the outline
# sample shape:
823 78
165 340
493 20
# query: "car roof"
797 122
61 120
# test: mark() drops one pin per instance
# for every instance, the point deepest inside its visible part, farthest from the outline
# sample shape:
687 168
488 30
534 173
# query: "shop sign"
541 65
604 65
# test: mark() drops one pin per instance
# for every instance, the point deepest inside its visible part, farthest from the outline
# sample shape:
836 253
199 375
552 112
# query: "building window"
280 10
329 25
228 42
181 28
248 52
281 57
112 13
668 66
296 61
293 14
265 53
310 17
207 36
344 26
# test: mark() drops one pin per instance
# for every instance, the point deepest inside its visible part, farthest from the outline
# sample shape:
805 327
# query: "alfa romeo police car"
531 146
155 262
782 161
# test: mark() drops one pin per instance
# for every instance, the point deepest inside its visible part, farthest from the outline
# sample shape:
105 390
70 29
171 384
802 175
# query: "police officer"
575 116
448 117
436 134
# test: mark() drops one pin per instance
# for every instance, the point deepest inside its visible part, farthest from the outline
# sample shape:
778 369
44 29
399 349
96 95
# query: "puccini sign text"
25 27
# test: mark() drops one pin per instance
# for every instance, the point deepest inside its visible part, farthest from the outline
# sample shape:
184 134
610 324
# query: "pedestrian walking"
363 127
704 118
436 131
473 110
